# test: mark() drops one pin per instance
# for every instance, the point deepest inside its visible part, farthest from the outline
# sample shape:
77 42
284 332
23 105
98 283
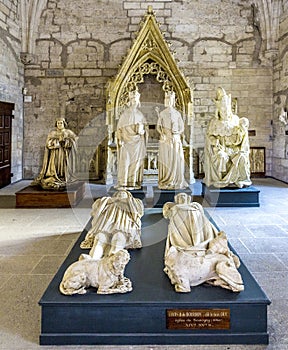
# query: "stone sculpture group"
115 227
59 161
227 147
132 136
196 251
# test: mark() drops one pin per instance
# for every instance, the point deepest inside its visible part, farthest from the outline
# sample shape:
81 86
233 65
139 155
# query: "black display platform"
37 197
140 317
231 196
160 197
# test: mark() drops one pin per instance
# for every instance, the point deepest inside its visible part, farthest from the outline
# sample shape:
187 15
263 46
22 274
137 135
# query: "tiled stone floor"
34 242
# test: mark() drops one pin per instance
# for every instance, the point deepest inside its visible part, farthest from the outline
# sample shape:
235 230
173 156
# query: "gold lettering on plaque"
198 319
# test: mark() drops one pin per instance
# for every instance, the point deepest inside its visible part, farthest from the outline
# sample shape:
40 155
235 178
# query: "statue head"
119 260
182 198
244 123
169 99
223 104
134 98
122 194
60 123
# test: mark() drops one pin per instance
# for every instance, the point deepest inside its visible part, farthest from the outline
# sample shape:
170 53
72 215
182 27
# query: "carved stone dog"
192 267
106 274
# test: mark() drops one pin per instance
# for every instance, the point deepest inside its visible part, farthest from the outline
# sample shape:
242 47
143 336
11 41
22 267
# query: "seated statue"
171 156
195 251
226 154
106 274
59 162
116 224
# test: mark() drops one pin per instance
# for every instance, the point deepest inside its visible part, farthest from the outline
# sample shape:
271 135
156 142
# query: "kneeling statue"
59 163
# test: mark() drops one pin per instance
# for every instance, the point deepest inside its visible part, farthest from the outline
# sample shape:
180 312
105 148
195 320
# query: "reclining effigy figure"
116 225
195 251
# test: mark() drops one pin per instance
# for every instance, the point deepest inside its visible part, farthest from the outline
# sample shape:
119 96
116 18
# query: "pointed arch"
30 12
150 54
269 12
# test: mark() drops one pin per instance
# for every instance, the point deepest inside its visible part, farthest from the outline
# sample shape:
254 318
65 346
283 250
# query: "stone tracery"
149 55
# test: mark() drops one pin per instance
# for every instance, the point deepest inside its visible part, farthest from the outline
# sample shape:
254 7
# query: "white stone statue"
171 156
283 116
59 161
226 154
132 136
191 267
188 225
106 274
116 224
195 251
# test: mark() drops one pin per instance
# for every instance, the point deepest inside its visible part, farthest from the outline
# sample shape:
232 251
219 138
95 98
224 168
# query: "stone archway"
149 56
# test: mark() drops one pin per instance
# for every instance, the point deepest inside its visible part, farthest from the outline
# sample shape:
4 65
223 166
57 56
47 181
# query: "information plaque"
198 319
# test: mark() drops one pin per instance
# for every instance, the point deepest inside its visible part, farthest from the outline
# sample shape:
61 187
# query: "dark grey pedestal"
140 317
231 196
160 197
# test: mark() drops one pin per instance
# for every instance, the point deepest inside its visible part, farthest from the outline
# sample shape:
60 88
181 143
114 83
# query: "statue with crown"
170 127
132 136
226 154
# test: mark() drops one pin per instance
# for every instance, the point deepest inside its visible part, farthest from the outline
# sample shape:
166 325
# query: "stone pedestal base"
231 196
36 197
152 313
163 196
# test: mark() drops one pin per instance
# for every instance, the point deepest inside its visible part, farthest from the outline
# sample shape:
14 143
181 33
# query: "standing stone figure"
132 137
226 155
171 156
59 158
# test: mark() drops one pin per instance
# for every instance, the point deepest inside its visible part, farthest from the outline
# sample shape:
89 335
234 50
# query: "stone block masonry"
80 47
12 79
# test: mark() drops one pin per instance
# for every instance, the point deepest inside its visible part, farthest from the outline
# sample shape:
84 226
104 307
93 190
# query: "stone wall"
12 78
280 144
80 46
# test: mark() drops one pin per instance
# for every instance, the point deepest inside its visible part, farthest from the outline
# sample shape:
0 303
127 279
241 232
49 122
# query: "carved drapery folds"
149 55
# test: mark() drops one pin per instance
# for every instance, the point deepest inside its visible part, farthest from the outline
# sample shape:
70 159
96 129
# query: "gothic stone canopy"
150 54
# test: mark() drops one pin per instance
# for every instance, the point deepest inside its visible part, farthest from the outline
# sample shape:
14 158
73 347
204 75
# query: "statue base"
231 196
163 196
153 313
37 197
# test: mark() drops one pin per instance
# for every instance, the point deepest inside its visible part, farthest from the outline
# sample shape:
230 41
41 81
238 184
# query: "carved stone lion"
192 267
106 274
